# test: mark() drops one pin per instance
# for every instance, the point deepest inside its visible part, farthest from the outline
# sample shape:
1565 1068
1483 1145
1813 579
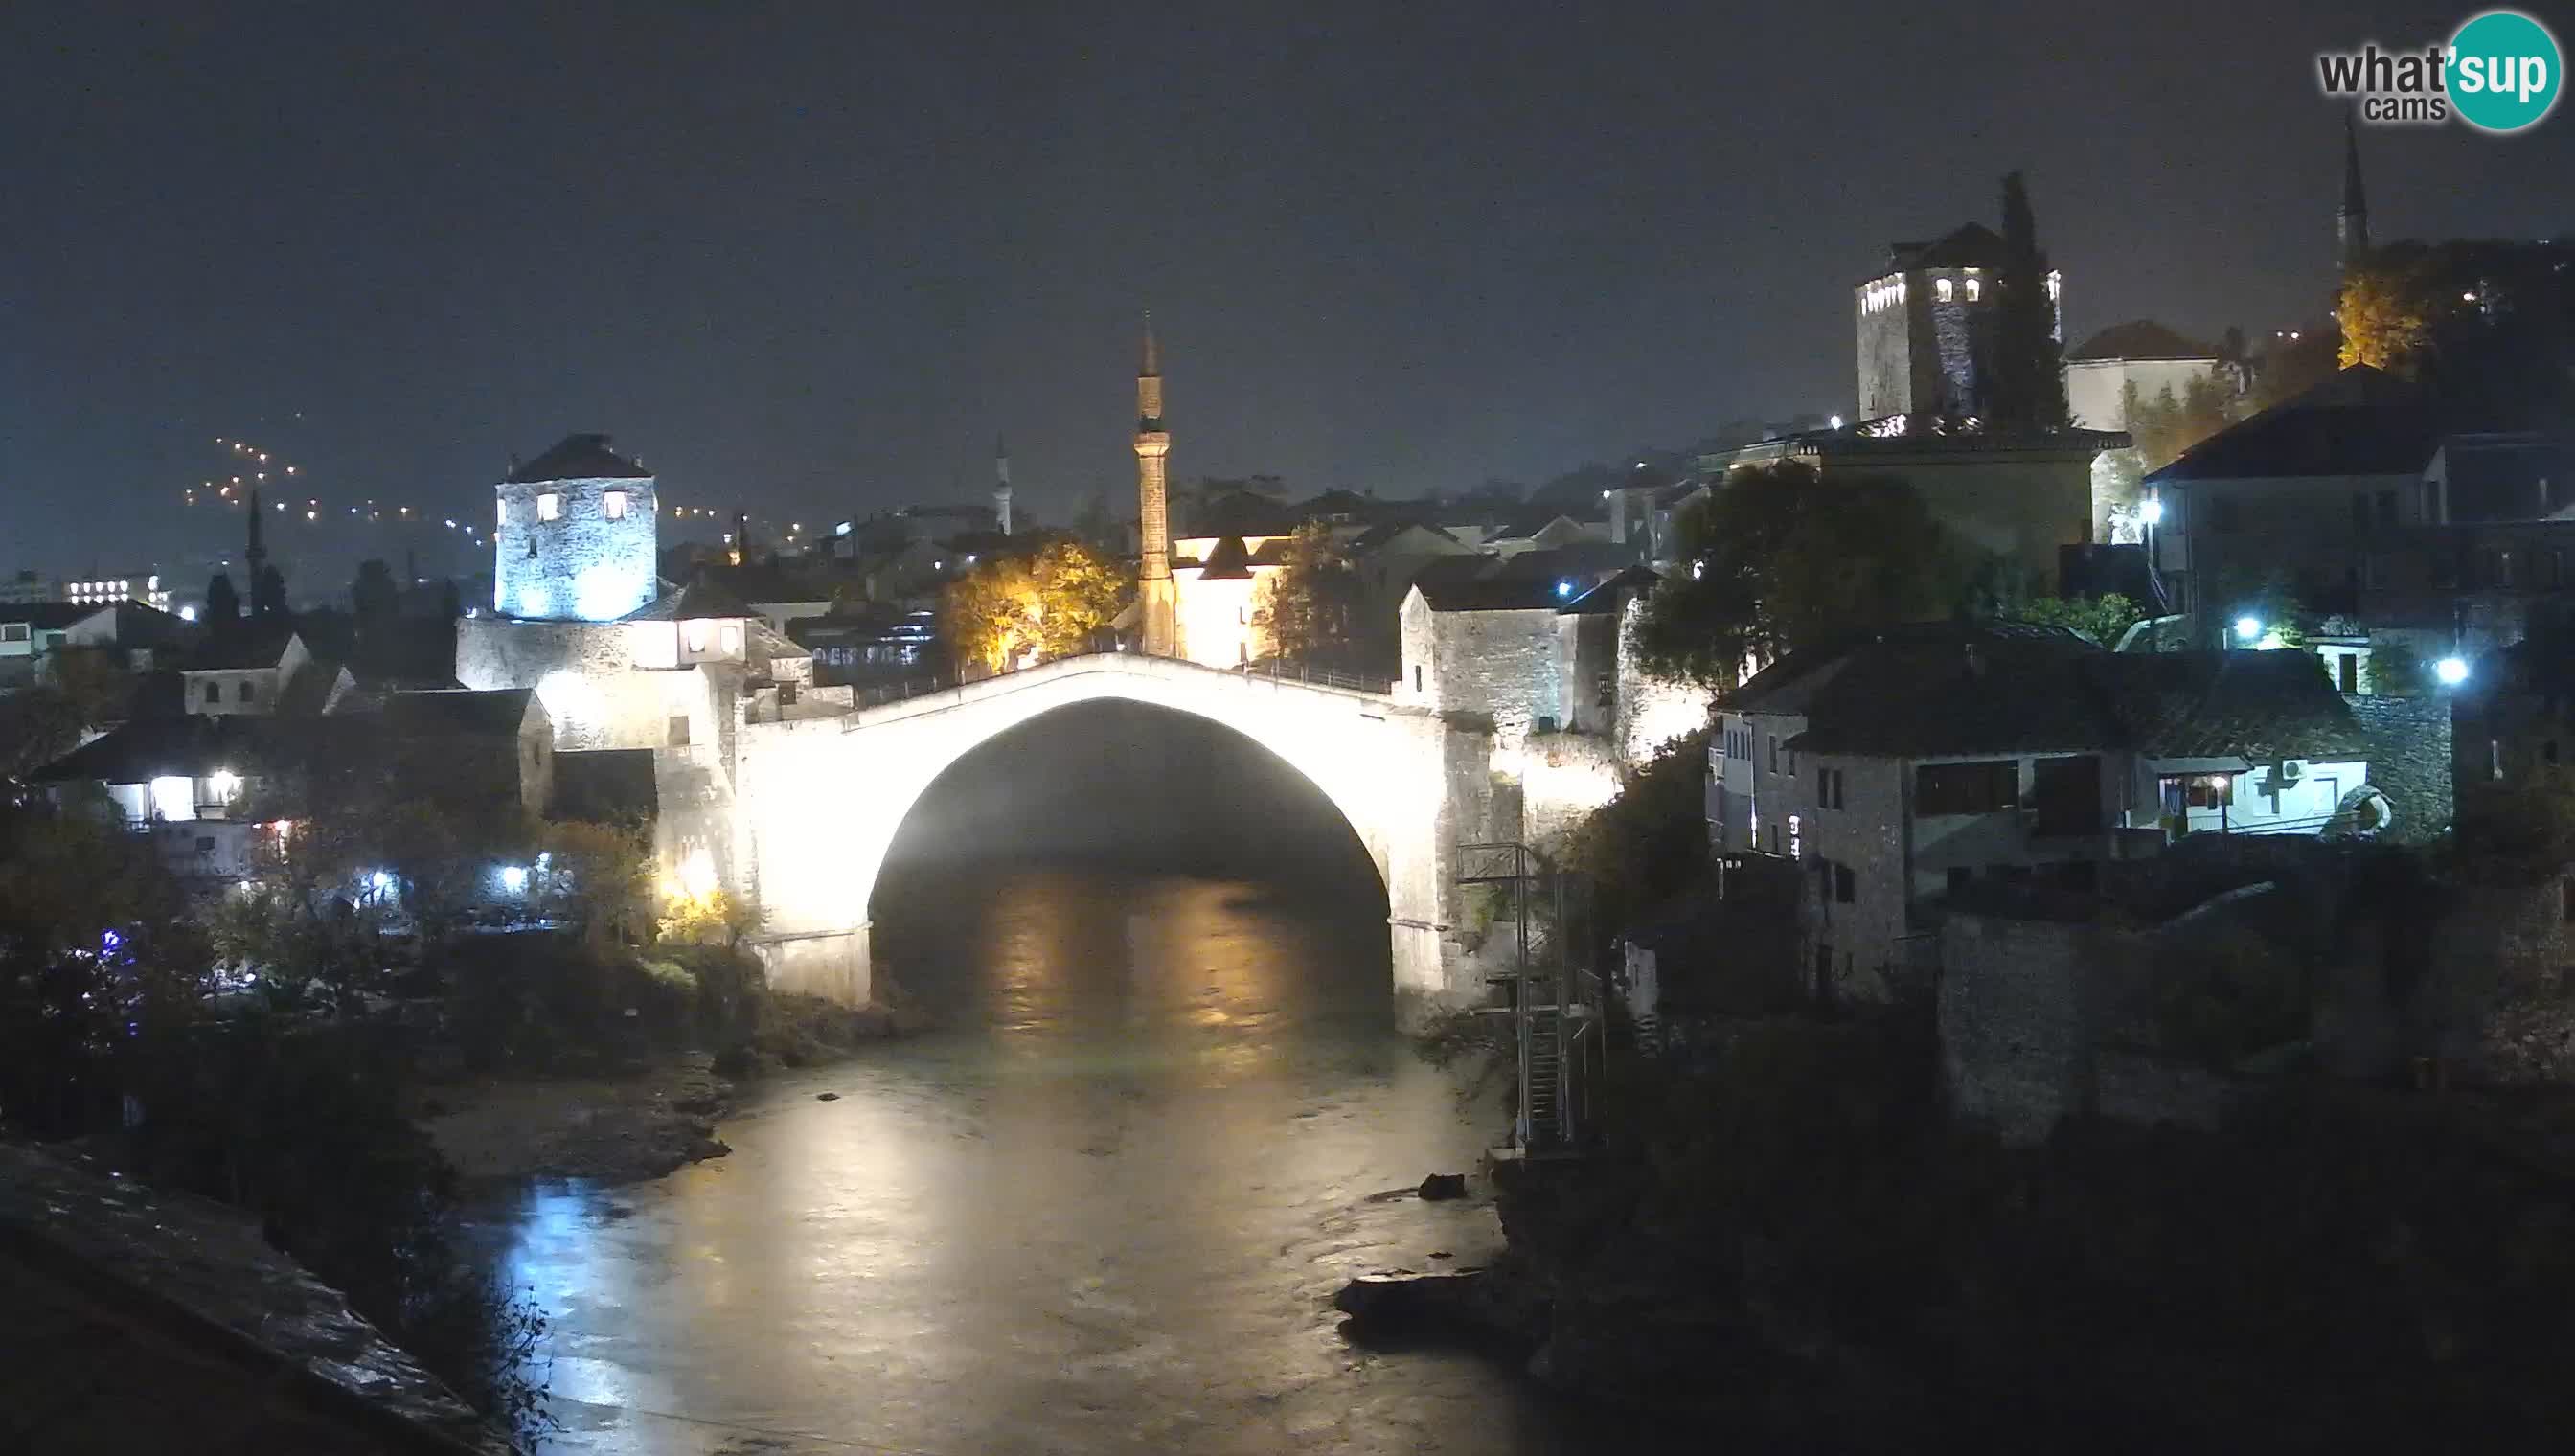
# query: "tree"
1778 557
712 918
2028 390
268 594
372 597
2104 619
2384 314
2164 427
1308 608
38 724
223 604
1015 609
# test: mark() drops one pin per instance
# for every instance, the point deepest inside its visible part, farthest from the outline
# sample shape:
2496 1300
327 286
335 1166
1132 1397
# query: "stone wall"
1486 665
579 566
2409 760
582 673
2496 1008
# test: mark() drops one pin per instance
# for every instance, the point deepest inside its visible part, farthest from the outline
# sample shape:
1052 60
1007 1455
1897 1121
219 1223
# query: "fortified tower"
1157 596
576 537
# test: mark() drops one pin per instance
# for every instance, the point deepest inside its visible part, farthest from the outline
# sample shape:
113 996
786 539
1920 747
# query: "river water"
1102 1210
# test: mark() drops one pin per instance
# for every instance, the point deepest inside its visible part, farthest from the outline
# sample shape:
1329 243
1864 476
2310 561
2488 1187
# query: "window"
613 504
549 507
1966 788
1417 677
214 693
249 693
676 731
694 634
1829 789
1774 753
732 638
2199 790
2387 507
1796 837
1944 288
1845 884
2347 665
13 631
1975 289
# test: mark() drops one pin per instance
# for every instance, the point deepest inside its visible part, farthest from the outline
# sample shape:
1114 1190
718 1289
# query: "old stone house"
1905 765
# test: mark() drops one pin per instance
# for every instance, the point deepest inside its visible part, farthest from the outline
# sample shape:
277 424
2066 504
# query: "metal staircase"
1553 1003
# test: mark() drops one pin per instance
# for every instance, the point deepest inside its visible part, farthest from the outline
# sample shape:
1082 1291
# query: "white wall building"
2140 353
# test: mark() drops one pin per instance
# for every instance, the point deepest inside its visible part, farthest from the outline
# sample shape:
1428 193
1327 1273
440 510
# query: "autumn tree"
1017 609
2384 314
1309 609
2103 619
1778 557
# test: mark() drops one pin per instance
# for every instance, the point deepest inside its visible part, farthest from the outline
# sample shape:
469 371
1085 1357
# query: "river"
1102 1210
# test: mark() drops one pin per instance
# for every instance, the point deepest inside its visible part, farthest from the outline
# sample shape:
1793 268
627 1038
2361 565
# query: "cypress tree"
2028 389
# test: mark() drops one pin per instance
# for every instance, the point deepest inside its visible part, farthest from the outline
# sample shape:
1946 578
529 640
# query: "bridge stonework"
818 799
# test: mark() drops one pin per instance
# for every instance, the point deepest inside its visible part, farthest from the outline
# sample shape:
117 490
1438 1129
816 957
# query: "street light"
2152 512
2248 629
2451 670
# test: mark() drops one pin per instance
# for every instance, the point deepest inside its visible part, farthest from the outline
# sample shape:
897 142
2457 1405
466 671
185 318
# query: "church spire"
256 556
2351 226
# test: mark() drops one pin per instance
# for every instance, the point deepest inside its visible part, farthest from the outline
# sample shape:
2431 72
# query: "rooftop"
2138 339
578 458
2360 422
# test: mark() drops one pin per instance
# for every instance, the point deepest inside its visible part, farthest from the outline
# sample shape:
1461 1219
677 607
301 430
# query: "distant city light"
1564 586
186 613
2451 670
2152 512
1837 422
2248 627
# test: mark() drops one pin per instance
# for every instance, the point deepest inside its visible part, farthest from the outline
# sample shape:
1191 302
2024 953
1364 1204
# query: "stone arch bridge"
817 801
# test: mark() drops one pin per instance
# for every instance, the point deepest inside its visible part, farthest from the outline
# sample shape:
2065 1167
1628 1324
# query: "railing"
1275 670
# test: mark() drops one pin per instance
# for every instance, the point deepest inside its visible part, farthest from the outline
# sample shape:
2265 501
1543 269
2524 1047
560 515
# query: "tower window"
613 504
549 507
1975 287
1945 288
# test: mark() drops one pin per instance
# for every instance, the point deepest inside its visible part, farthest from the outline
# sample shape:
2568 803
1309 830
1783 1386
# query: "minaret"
257 554
2351 226
1001 485
1158 597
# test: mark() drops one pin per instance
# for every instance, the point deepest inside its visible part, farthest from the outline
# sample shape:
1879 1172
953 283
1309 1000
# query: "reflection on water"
1104 1211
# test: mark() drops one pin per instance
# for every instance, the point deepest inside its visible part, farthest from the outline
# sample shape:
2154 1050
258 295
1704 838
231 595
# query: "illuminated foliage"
1309 607
1012 611
2165 426
707 917
2385 316
2104 619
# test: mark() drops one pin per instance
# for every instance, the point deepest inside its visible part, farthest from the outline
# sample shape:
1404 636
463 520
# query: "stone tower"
2351 225
575 539
1001 486
1156 595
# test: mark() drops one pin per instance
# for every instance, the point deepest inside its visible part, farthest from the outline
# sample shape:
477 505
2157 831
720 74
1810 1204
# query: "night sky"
808 259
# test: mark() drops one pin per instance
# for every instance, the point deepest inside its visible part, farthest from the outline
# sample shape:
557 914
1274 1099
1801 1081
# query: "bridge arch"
817 800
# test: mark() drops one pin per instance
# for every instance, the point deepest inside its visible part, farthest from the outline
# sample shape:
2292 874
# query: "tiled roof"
1944 690
578 458
497 713
1611 597
242 645
1375 537
2138 339
47 616
696 601
2359 423
1227 560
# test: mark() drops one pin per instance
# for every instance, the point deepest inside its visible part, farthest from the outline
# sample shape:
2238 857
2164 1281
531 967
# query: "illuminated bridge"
817 800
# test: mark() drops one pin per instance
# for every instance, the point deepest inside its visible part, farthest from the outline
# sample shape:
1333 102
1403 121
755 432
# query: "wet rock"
1402 1300
1441 1254
1440 1186
827 1097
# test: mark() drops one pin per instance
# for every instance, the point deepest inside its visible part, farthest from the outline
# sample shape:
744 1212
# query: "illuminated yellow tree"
1016 611
2384 317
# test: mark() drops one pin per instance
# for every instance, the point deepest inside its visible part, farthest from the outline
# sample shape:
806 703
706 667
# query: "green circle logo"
2503 72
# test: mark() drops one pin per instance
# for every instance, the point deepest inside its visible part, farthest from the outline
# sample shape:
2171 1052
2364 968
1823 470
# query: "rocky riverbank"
498 1129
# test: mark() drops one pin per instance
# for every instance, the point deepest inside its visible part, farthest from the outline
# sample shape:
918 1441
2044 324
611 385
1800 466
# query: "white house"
2140 353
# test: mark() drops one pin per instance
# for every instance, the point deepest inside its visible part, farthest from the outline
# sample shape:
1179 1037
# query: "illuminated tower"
1158 598
574 537
2351 226
1001 486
